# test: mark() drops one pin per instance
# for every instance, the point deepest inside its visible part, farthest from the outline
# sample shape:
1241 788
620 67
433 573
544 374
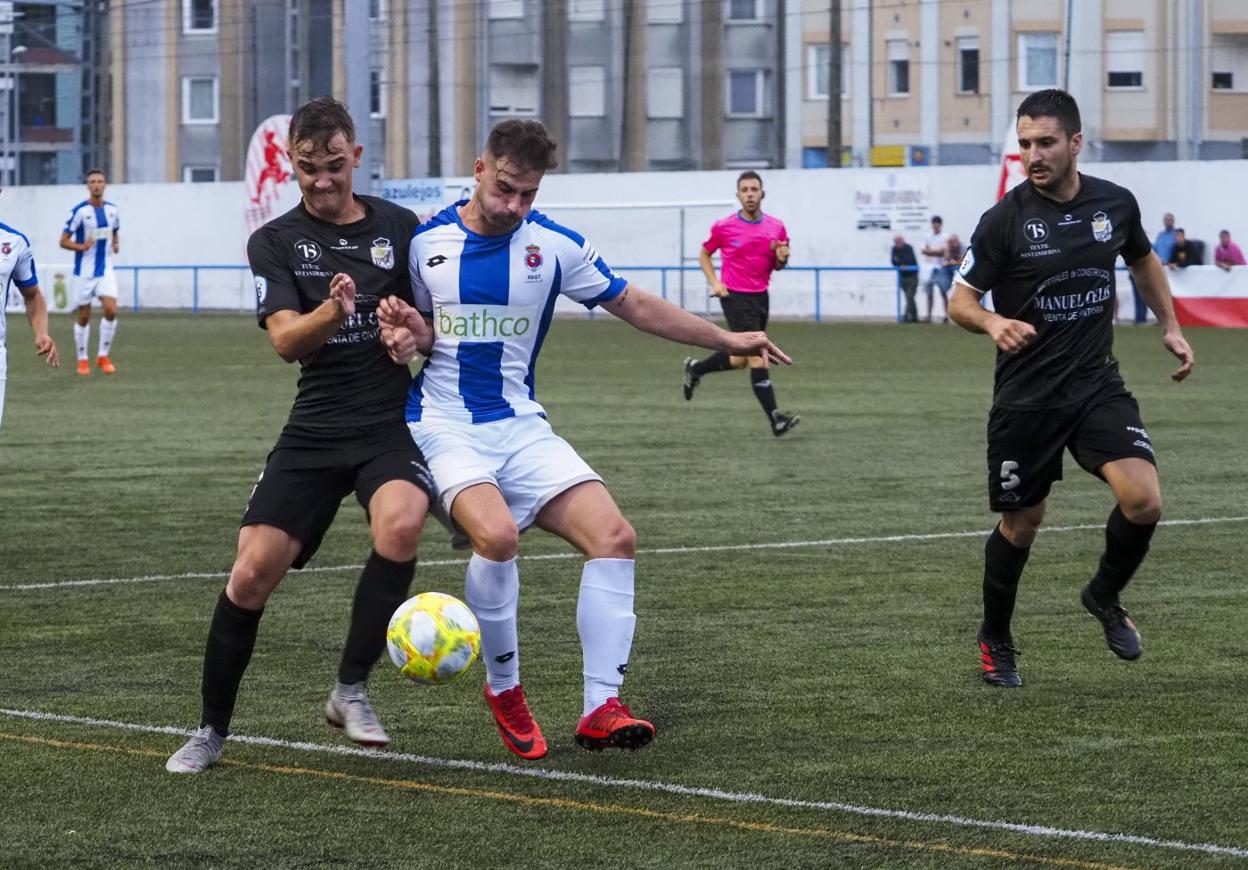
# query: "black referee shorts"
746 312
304 481
1025 447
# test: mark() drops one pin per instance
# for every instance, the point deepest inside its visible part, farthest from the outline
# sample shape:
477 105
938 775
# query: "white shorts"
88 288
522 456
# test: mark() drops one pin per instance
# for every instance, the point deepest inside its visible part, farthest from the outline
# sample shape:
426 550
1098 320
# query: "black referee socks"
1126 545
716 362
760 380
382 588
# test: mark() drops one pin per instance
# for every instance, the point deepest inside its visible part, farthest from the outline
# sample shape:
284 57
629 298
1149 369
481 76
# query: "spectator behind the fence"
1227 253
954 252
903 256
934 259
1186 252
1164 243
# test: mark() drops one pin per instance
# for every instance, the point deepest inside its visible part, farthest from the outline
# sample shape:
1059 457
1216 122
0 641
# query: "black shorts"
304 481
1025 447
746 312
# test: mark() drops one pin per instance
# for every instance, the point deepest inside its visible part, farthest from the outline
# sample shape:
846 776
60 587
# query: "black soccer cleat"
997 658
691 380
782 422
1120 632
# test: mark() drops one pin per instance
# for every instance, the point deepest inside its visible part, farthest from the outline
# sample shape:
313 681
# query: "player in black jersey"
1047 252
320 271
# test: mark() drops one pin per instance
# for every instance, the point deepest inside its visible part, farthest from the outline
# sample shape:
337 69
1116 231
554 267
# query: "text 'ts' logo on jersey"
308 249
1036 230
383 254
533 257
1102 227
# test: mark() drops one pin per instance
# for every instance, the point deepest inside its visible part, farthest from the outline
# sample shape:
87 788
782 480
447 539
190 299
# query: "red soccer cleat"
519 731
84 367
612 724
105 365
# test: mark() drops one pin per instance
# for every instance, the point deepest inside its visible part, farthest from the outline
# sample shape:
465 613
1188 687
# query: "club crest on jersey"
533 257
6 249
383 254
1102 228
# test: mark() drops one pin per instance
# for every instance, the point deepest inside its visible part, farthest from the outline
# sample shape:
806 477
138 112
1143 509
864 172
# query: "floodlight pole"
835 133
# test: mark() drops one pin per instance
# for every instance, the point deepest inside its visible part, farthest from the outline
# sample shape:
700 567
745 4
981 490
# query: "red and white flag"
1012 172
268 169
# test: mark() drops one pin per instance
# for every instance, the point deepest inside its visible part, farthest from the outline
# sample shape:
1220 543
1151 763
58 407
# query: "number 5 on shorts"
1009 479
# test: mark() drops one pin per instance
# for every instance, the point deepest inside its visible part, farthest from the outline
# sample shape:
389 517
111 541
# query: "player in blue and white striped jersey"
486 273
92 234
17 266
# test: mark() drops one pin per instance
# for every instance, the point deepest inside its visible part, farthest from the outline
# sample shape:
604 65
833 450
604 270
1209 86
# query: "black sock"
1126 544
382 588
716 362
231 638
760 379
1003 566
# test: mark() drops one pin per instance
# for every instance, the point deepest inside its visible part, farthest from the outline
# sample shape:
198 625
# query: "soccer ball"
433 638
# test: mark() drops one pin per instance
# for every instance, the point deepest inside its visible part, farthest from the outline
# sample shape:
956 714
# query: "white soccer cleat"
199 753
348 708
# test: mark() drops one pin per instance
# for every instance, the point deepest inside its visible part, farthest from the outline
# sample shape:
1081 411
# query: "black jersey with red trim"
1052 265
349 383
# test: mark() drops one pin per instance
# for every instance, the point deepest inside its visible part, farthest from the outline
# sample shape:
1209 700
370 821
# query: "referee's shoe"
691 379
1120 632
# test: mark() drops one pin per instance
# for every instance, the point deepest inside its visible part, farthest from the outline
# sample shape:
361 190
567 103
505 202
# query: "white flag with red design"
268 170
1012 172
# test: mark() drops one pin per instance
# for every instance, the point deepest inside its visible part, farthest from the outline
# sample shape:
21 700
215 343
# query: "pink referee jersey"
747 256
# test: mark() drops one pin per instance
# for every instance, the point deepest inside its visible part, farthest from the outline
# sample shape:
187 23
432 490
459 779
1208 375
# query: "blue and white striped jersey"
98 222
491 299
17 264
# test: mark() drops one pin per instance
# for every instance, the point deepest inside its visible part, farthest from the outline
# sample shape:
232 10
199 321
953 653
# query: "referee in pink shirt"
752 245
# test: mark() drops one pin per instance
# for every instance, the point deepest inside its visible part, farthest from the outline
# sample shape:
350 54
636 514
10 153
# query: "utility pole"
435 93
834 85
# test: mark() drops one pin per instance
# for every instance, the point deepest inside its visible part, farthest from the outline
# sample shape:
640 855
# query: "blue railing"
194 270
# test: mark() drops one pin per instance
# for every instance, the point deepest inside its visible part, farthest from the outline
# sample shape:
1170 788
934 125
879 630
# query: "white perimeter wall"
188 224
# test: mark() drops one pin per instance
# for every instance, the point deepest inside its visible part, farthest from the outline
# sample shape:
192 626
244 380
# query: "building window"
587 10
199 16
377 10
505 9
739 10
745 93
898 67
968 64
587 91
376 94
818 68
1037 61
1228 63
665 92
1124 59
199 100
199 174
665 11
513 89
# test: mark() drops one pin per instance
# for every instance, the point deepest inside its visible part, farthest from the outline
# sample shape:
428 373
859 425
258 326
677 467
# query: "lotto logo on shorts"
484 322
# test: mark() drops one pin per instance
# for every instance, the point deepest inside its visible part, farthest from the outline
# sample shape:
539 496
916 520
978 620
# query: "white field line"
657 551
714 794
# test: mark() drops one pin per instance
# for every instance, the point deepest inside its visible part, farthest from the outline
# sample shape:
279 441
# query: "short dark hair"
94 170
318 121
523 140
1180 230
1053 103
936 219
748 174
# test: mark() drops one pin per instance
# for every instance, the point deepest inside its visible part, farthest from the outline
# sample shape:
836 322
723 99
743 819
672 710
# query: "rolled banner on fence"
268 169
1209 296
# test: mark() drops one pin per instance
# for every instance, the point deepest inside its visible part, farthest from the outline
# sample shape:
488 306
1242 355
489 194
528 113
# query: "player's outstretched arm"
1008 335
1154 289
404 330
37 314
656 316
296 335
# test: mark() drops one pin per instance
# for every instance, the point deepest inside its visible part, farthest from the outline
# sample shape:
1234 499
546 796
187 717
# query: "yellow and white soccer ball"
433 638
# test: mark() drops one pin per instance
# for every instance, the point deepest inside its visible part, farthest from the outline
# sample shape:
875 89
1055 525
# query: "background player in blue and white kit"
92 234
17 265
486 273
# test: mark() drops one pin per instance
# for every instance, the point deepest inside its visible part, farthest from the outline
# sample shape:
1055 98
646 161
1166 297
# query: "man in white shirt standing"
92 234
934 250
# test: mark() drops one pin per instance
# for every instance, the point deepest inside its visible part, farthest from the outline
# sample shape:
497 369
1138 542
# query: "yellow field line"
591 807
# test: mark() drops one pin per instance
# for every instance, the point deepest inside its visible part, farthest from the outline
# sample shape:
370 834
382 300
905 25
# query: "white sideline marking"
655 786
657 551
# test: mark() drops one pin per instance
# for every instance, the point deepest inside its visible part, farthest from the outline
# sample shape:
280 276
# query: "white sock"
108 328
492 590
605 622
82 337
